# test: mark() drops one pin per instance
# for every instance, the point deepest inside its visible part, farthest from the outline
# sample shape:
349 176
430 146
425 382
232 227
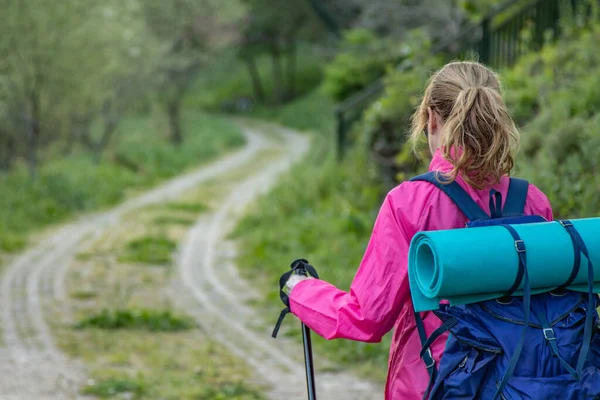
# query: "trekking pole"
299 267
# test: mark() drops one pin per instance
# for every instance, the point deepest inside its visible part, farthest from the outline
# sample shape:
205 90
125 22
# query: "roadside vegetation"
325 210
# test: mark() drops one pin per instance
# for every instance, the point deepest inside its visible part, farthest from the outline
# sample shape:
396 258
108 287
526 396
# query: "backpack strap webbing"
521 275
427 355
457 194
551 339
591 309
516 197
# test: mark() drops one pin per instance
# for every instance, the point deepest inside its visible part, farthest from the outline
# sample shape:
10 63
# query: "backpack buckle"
565 223
428 358
549 334
520 246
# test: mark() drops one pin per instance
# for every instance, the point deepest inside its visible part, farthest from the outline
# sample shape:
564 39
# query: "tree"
182 28
63 62
275 27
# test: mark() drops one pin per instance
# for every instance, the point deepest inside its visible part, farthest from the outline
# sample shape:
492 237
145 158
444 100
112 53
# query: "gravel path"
31 366
207 272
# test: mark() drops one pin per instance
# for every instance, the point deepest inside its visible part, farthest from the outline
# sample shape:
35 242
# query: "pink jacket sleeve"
380 288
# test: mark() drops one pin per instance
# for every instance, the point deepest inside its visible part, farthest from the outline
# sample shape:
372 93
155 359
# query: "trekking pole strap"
300 267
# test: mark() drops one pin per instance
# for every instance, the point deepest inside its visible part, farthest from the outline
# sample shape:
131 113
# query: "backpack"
545 346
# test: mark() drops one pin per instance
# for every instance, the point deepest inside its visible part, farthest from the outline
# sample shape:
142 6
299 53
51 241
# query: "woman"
471 137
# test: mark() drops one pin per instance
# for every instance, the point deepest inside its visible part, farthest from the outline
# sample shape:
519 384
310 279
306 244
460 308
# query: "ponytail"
478 134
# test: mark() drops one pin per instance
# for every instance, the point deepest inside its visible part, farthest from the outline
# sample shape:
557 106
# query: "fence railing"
510 30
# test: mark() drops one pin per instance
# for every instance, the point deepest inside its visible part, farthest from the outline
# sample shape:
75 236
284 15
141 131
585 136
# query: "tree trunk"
7 152
291 69
277 74
174 117
33 134
259 92
110 127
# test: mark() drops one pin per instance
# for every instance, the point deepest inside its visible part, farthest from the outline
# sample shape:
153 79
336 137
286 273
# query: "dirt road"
208 287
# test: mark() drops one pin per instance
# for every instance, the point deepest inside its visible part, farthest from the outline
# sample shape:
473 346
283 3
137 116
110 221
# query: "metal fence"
514 28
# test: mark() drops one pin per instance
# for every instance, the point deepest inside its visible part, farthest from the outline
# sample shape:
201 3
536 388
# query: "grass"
115 386
324 212
172 220
139 158
187 207
151 250
139 319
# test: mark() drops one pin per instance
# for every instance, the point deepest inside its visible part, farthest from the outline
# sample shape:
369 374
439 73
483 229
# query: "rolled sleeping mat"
471 265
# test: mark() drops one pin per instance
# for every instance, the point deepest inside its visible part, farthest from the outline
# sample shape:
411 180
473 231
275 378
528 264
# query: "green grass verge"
141 319
323 211
125 388
152 250
140 158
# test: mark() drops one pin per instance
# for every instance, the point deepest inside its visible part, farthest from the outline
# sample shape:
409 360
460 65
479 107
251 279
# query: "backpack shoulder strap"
457 194
516 197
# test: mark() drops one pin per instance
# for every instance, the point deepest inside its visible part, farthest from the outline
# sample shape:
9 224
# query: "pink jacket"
379 297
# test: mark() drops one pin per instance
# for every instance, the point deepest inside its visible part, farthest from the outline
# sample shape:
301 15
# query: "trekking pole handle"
300 268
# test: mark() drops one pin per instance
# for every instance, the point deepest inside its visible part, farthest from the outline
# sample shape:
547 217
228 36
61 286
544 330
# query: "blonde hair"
479 136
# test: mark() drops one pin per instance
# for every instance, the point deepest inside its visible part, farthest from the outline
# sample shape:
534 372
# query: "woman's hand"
294 280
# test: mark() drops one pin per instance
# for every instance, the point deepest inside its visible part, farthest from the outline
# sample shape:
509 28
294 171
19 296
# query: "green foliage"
386 123
116 386
74 184
312 112
362 58
149 250
554 97
138 319
225 79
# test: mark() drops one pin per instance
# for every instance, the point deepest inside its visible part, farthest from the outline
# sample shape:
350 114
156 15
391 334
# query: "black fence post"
341 133
484 46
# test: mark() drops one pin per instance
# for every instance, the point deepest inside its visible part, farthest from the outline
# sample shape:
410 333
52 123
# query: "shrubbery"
73 184
363 57
555 97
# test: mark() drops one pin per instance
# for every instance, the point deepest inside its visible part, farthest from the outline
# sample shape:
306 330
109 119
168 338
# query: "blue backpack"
545 346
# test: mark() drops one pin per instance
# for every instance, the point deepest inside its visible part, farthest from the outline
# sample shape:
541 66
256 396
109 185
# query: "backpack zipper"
502 318
479 347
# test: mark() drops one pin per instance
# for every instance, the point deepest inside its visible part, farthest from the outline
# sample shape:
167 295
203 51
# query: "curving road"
31 366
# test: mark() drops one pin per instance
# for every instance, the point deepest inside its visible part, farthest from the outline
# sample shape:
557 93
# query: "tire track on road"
31 367
220 307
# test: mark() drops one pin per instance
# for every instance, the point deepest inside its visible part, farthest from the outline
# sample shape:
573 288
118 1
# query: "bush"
386 122
555 97
149 320
363 57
